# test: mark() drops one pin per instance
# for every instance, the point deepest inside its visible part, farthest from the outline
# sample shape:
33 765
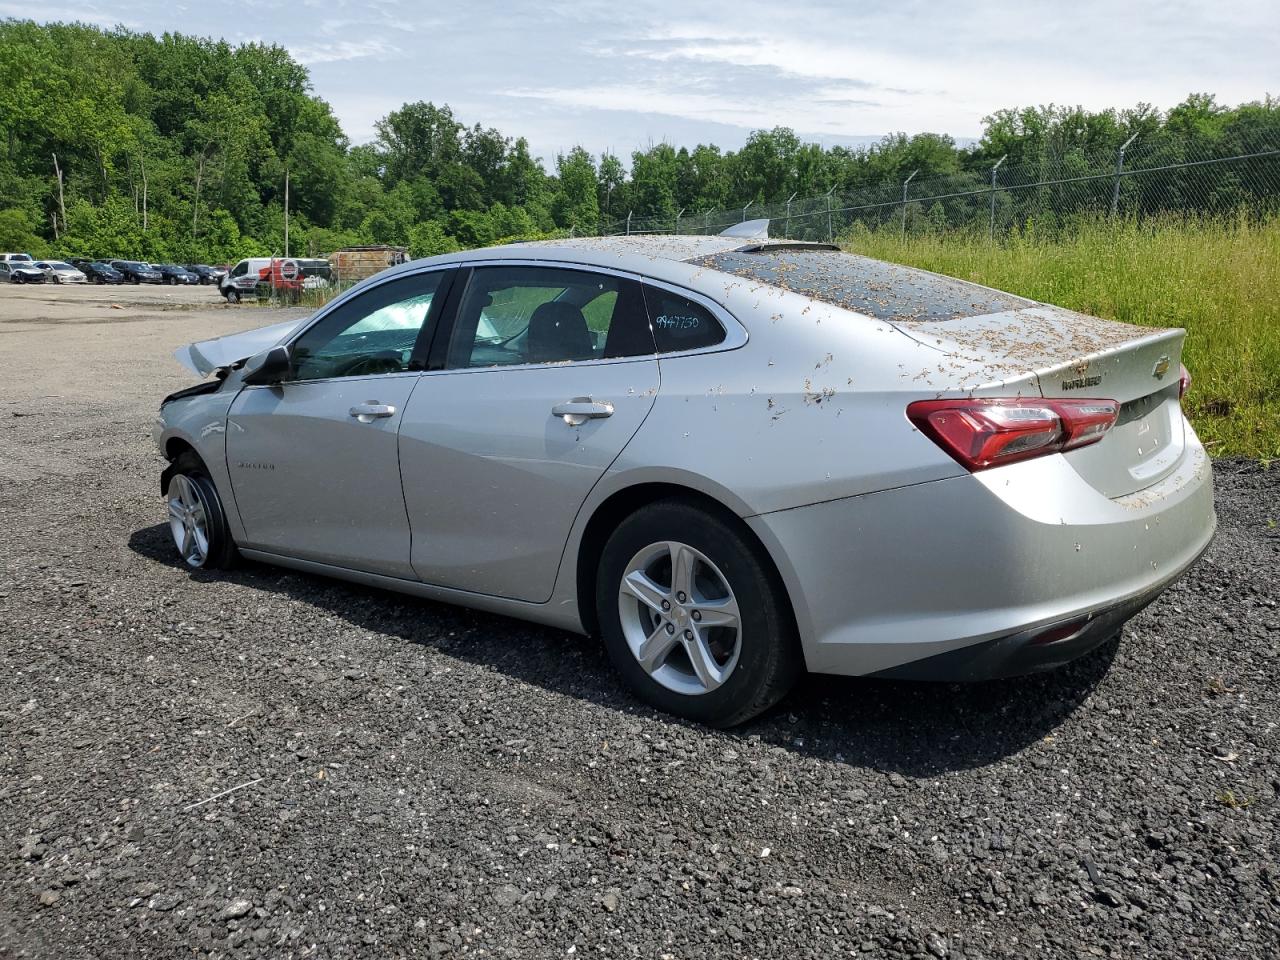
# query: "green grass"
1218 279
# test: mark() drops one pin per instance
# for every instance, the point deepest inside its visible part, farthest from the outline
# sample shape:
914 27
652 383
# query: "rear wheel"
197 521
693 618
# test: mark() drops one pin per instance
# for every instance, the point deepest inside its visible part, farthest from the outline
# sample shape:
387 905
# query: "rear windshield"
885 291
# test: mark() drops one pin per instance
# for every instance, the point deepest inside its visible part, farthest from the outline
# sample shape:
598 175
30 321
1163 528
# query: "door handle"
581 409
371 410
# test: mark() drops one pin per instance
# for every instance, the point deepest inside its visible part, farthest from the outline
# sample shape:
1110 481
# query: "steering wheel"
387 361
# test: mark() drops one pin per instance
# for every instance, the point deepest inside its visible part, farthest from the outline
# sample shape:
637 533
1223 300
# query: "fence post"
744 210
629 212
906 183
1115 187
831 234
706 221
787 231
992 232
678 216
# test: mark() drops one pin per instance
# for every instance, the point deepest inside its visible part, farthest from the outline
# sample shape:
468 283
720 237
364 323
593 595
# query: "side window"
679 323
372 333
240 270
516 315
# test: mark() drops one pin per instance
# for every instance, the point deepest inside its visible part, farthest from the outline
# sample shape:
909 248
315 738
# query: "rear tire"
719 651
197 520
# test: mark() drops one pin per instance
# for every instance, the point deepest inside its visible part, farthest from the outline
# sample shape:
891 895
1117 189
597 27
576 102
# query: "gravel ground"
267 764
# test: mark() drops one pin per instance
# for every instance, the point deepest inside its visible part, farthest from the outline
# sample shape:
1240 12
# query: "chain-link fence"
1137 180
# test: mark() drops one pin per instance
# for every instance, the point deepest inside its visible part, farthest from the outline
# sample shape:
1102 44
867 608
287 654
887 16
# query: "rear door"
547 374
313 461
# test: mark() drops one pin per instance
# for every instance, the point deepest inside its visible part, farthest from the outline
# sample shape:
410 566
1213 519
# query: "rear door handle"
371 410
581 409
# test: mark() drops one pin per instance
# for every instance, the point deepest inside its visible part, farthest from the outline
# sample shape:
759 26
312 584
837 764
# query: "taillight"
980 433
1184 381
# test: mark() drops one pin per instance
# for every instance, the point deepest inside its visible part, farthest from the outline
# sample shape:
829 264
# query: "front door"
313 461
549 373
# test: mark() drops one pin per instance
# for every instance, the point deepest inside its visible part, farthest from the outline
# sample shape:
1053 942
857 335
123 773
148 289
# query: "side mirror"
270 366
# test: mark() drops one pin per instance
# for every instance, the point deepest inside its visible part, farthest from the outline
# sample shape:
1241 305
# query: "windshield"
59 265
870 287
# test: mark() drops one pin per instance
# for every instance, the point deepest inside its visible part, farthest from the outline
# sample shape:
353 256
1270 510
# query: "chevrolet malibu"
732 458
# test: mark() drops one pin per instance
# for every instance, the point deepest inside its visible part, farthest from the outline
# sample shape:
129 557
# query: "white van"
242 278
15 258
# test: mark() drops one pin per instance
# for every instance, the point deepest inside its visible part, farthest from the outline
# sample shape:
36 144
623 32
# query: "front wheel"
233 296
197 521
693 617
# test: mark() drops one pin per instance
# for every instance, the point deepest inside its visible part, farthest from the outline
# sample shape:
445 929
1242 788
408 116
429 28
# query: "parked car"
20 271
242 279
60 272
206 273
135 271
732 458
99 272
172 274
16 257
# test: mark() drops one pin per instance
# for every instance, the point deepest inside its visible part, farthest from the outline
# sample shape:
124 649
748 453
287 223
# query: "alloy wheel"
188 521
680 618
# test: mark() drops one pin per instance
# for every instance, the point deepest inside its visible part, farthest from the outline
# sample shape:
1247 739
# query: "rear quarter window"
680 323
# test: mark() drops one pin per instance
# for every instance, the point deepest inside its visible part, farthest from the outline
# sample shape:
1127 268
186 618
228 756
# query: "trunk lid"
1076 356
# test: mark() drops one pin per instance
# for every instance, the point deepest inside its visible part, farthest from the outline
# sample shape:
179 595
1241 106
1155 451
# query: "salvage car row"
23 268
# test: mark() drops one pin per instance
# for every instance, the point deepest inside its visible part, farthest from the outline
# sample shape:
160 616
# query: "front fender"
200 422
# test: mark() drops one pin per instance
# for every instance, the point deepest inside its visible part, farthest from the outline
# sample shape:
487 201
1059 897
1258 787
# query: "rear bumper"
960 576
1043 648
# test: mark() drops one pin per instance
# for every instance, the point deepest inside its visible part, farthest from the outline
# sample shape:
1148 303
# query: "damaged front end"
206 356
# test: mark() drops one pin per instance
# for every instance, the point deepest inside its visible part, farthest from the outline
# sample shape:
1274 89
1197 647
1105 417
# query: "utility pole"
286 211
1115 187
142 164
906 183
992 231
62 206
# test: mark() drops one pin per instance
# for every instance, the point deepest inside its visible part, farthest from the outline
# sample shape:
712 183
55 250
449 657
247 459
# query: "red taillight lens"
1184 381
984 433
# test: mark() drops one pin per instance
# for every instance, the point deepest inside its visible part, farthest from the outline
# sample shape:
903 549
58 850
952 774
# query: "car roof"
661 256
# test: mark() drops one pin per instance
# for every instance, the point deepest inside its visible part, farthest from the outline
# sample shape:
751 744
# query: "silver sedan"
732 458
60 272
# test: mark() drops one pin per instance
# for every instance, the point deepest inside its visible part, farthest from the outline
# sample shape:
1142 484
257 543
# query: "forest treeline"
175 148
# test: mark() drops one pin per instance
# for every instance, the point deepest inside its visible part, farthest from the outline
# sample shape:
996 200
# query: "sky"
621 76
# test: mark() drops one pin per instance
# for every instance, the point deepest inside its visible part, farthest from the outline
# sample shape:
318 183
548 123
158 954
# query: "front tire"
693 616
197 521
233 296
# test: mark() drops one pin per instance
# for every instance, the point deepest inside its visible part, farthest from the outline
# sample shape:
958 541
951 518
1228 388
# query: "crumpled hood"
206 356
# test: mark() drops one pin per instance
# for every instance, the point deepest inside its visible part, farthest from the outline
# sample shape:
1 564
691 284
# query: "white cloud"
340 50
618 77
